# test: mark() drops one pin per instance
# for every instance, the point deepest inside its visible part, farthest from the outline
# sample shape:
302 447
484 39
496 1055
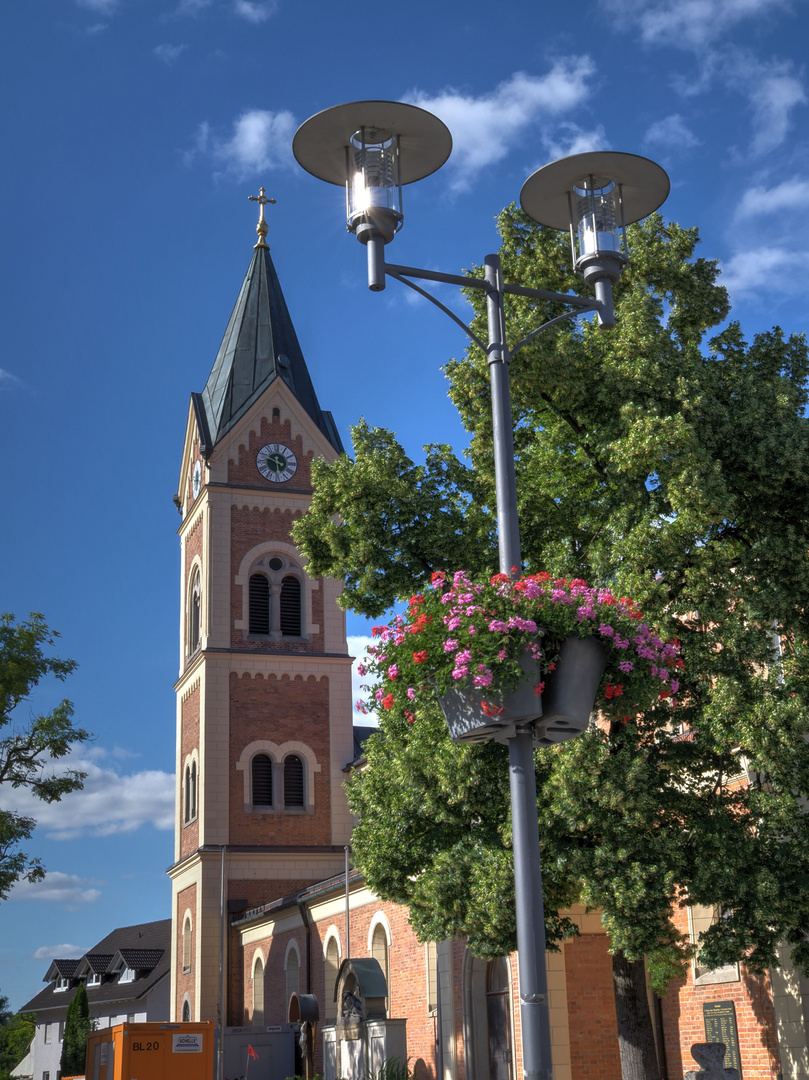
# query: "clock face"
276 462
196 478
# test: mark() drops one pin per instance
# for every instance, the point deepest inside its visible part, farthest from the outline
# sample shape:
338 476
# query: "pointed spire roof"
259 346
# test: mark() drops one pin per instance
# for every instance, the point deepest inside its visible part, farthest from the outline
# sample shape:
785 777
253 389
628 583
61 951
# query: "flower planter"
560 713
570 690
478 715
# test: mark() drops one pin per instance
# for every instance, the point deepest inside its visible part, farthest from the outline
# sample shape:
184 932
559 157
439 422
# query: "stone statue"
352 1008
711 1056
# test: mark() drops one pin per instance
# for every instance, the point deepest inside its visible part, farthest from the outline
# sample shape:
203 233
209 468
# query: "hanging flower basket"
500 654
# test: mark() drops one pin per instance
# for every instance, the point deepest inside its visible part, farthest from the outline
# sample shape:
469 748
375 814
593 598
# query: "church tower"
264 715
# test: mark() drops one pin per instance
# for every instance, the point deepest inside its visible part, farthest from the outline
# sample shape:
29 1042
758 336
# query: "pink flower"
393 671
411 693
450 645
497 626
626 666
362 670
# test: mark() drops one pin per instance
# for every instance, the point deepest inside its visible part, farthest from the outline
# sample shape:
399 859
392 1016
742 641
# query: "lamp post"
375 148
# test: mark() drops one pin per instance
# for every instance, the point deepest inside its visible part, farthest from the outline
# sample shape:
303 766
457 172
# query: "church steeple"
264 718
259 346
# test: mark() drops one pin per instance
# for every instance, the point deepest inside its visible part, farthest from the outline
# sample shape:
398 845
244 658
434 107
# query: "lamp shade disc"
645 185
320 143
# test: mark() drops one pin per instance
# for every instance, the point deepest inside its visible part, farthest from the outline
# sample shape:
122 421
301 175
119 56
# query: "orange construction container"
151 1052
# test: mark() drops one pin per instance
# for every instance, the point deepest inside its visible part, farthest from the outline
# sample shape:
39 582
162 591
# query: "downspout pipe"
308 928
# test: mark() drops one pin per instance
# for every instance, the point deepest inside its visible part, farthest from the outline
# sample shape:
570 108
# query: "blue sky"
134 130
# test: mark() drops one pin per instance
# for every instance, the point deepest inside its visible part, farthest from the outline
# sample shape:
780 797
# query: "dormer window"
94 979
62 983
127 975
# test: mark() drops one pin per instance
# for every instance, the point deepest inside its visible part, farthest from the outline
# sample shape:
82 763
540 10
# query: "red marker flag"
251 1052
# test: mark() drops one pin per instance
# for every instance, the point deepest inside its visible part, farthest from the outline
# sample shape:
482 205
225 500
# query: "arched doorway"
498 1017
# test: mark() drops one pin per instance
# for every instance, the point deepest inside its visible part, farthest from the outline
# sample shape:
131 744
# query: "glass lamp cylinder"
373 186
597 214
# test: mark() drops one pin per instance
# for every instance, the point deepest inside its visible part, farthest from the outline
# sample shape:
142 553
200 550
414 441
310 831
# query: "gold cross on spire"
262 227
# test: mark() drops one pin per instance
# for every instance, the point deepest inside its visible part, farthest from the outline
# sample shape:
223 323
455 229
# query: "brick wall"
683 1020
280 710
189 740
243 472
591 1009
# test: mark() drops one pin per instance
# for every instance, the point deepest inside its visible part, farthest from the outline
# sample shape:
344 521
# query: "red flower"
387 701
420 657
499 579
490 708
612 690
414 601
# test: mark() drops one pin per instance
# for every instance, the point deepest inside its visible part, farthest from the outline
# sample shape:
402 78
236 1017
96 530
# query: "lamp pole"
376 147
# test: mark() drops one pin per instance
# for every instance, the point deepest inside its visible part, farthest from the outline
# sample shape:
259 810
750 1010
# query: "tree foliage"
16 1033
673 467
29 746
78 1025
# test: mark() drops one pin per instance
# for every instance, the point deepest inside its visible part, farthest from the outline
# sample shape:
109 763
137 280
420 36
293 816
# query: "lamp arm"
594 306
394 273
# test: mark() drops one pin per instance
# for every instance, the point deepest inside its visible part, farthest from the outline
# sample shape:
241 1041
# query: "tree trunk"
636 1040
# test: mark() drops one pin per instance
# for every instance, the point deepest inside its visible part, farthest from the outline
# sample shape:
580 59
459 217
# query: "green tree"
16 1033
78 1025
676 470
29 746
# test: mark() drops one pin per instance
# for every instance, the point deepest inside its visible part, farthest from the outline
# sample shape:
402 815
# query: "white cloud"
255 11
58 888
103 7
7 380
762 270
671 133
261 141
571 139
109 803
792 194
690 24
60 952
773 98
192 7
484 129
357 647
168 53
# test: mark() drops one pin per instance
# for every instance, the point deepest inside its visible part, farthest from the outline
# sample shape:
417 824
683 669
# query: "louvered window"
293 781
259 604
194 615
291 607
262 780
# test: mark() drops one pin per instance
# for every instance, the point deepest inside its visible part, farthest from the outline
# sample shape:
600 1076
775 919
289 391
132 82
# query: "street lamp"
374 148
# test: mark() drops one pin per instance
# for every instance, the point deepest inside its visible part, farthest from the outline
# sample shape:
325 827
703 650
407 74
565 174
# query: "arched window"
261 776
291 606
186 1011
332 967
293 781
259 604
379 951
190 791
187 944
258 993
194 607
292 973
